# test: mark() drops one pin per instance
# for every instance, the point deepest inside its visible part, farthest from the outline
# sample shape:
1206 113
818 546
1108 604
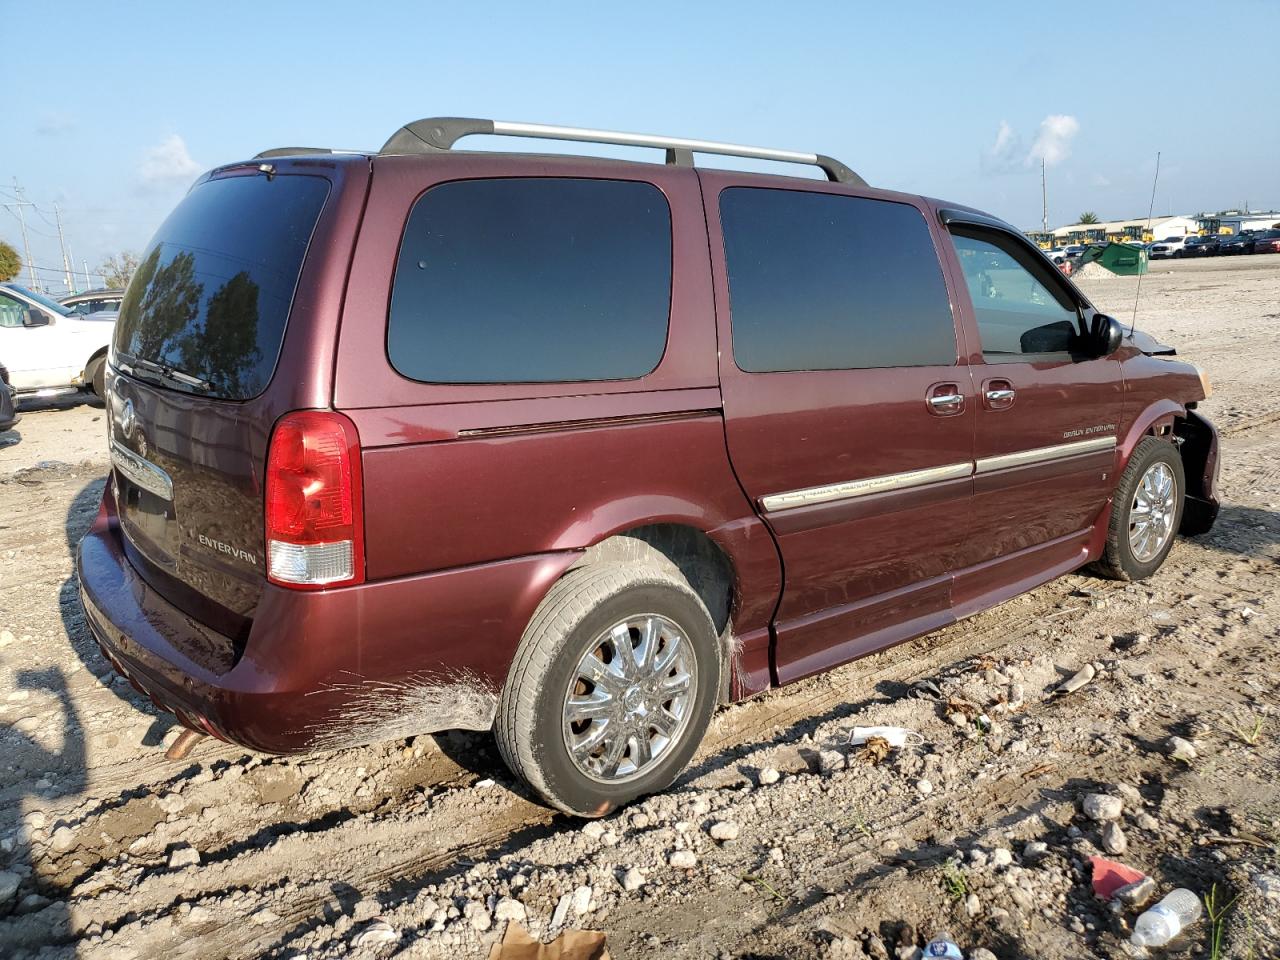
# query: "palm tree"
1088 217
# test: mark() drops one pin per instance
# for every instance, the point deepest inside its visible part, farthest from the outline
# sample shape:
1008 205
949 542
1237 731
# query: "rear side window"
1019 310
206 309
530 280
820 281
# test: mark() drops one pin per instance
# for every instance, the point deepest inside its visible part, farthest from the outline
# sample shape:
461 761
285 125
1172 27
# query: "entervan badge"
128 420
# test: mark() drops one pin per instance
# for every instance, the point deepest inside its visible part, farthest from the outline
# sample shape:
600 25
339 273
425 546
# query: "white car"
1168 247
47 348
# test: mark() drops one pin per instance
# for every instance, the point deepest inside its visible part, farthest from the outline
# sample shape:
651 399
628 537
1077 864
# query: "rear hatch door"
200 332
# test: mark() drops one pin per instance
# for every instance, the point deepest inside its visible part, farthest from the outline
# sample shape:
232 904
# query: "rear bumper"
324 669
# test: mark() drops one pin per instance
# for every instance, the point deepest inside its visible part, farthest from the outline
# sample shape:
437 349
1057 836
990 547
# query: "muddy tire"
612 687
1146 512
95 375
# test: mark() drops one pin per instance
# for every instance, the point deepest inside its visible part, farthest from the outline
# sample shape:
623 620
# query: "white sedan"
47 348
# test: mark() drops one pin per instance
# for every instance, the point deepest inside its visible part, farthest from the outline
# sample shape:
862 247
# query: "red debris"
1109 876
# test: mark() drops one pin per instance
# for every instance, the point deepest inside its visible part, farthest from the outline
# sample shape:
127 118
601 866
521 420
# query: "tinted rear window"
212 294
820 281
532 280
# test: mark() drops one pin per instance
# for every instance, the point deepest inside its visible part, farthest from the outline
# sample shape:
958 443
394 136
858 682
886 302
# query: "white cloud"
167 163
1053 142
1004 152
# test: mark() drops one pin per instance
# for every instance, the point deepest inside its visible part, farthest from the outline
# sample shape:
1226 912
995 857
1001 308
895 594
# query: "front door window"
1017 313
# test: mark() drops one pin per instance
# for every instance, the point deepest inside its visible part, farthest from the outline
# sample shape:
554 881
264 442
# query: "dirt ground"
785 842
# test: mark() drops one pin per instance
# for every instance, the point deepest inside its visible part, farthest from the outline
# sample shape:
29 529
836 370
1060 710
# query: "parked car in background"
1201 246
1268 241
49 349
1168 248
1236 243
491 440
93 301
8 414
1073 251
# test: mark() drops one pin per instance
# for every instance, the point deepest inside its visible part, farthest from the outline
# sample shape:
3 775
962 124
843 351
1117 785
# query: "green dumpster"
1119 258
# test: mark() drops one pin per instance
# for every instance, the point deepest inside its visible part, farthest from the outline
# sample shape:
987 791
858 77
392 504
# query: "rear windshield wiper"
168 376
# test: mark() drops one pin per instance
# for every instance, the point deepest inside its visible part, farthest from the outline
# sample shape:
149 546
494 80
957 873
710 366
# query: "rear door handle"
995 396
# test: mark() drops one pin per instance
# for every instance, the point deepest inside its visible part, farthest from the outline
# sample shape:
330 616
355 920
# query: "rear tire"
576 624
1146 512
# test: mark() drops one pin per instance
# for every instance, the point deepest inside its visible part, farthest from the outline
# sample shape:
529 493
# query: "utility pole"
66 262
71 265
1044 201
26 244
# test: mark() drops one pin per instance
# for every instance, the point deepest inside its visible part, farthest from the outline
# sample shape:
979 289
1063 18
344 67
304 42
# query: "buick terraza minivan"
578 449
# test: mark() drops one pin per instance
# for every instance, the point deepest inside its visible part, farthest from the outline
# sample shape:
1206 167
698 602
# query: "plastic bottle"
1168 918
943 946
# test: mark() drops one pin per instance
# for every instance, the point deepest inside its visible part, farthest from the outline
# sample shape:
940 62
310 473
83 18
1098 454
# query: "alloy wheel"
630 698
1152 512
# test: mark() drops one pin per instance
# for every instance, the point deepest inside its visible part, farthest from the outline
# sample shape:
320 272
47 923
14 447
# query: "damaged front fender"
1201 464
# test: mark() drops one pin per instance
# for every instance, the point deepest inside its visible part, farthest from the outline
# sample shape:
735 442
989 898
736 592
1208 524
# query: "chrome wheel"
1151 515
630 698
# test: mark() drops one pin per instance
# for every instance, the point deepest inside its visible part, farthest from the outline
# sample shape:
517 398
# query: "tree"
118 269
10 262
1088 217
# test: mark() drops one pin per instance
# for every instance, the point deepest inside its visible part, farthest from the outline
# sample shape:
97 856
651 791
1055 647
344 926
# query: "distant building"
1120 230
1236 222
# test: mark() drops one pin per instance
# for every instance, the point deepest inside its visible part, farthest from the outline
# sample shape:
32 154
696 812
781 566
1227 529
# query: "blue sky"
112 109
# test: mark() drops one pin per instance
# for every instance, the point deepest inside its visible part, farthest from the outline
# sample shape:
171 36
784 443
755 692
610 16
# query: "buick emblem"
128 420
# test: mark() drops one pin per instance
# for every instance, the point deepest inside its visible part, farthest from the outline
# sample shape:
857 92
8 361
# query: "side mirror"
35 318
1105 334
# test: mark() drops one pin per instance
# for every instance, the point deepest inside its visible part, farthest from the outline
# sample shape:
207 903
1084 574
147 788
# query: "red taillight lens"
314 501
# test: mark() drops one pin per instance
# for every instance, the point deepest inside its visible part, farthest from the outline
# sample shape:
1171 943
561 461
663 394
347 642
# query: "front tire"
612 687
1146 512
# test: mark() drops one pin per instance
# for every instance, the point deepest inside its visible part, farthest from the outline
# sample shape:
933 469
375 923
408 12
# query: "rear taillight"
314 502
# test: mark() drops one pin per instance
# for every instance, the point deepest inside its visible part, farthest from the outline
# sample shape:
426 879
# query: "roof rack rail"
434 134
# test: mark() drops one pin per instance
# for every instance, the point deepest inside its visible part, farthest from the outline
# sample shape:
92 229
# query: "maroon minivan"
577 449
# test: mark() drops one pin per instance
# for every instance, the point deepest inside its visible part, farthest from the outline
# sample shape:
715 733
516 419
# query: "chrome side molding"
1041 454
862 488
142 472
849 489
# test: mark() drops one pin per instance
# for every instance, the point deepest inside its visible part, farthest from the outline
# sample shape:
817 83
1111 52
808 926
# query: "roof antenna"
1150 208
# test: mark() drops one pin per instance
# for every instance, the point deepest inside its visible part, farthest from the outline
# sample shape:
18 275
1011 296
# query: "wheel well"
100 353
1197 442
696 556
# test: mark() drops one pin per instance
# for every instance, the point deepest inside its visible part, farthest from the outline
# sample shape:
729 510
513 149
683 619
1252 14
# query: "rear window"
821 281
208 303
532 280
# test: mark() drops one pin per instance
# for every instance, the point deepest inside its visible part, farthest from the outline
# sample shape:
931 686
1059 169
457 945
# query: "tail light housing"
314 502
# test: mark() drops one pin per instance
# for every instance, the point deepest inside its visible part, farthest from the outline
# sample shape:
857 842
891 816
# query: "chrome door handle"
946 401
996 396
